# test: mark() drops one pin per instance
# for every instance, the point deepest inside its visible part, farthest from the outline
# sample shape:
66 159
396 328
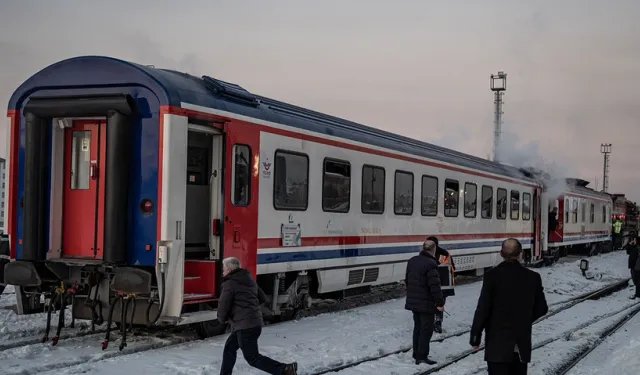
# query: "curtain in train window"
429 205
526 206
574 211
373 188
336 186
487 202
403 193
501 204
291 181
592 213
470 200
451 197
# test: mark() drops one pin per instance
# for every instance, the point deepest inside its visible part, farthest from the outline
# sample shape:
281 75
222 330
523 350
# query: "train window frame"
324 175
422 195
516 203
592 213
395 191
574 210
233 175
526 197
384 190
475 208
506 196
444 197
604 213
567 210
482 215
583 209
275 180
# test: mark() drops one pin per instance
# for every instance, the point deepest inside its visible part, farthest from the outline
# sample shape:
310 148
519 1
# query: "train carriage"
131 183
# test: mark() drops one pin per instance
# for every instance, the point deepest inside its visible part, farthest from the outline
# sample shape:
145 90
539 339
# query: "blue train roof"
173 88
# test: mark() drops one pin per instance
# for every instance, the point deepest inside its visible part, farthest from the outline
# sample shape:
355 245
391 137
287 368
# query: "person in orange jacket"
443 257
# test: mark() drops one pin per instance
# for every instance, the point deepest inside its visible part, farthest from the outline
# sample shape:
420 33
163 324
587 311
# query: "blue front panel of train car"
144 182
143 174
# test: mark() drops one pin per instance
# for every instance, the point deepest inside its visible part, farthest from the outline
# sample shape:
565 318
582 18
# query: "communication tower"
498 86
605 148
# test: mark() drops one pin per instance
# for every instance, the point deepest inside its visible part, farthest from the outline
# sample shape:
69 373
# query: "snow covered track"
565 305
602 337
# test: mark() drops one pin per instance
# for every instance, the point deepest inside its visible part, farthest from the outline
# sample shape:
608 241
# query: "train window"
451 197
583 208
592 213
80 159
240 183
470 199
403 193
604 214
291 181
515 205
574 211
372 189
429 206
336 186
501 204
526 206
487 202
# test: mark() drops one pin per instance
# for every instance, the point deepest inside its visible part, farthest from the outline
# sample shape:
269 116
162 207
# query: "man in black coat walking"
443 257
239 305
424 299
511 299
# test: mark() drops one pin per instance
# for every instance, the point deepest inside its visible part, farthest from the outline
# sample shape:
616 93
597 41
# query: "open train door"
536 249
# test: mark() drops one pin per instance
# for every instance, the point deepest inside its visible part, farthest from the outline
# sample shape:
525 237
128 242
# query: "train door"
83 204
537 226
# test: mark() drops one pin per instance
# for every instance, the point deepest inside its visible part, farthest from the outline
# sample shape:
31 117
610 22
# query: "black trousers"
247 341
515 367
422 332
440 314
635 276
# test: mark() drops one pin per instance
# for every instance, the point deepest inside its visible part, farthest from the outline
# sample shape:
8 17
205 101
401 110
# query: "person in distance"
634 264
424 299
240 305
511 299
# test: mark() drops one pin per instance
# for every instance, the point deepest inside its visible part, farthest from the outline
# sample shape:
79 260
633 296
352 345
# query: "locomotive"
129 184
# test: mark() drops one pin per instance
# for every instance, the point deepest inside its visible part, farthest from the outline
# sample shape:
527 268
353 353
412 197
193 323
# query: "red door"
83 189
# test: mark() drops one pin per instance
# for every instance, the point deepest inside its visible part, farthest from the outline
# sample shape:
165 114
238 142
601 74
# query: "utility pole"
498 86
605 148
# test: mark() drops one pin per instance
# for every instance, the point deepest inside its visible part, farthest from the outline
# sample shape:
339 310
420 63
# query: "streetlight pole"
605 148
498 86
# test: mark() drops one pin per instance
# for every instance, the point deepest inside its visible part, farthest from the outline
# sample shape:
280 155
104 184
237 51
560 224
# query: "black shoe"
427 361
290 369
438 328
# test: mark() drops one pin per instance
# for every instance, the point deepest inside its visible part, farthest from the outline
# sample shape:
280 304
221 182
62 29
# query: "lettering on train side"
371 230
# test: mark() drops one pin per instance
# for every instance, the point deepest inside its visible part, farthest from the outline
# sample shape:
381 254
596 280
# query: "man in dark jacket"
424 299
443 257
239 305
632 251
511 299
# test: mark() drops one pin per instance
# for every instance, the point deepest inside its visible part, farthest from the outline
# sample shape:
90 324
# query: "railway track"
563 306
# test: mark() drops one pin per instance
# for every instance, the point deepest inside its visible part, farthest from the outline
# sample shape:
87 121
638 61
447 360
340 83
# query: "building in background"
3 164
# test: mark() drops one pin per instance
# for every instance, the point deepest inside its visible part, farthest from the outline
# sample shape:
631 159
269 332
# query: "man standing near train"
424 299
510 301
443 257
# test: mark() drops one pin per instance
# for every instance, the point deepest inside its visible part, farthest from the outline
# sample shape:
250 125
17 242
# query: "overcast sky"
420 68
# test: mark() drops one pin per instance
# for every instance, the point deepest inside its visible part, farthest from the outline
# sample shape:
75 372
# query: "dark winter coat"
440 252
423 284
632 250
511 299
240 301
4 258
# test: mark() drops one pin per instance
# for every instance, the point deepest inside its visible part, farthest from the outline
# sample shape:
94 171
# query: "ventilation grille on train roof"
231 91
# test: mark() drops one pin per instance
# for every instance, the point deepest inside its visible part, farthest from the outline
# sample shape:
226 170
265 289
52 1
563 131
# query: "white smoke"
518 154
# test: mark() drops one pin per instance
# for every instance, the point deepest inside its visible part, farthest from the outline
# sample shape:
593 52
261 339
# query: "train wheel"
210 328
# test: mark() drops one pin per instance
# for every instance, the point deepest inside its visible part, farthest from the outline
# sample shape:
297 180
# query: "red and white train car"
194 169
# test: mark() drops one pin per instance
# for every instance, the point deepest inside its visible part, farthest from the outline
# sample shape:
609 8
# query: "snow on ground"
619 354
322 341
